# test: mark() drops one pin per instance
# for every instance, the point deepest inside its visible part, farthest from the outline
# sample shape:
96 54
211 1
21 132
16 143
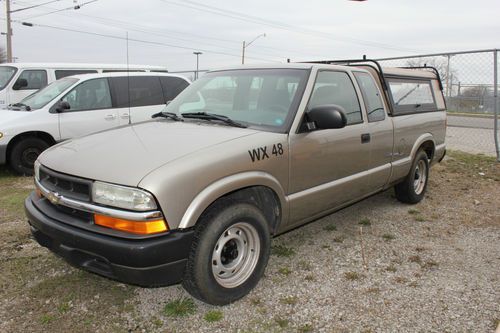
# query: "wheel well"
428 147
36 134
264 198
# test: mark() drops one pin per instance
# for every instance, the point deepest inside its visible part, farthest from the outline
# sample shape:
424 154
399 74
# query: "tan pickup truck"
242 155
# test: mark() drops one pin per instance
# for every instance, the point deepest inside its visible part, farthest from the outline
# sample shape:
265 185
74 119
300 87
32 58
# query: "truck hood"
125 155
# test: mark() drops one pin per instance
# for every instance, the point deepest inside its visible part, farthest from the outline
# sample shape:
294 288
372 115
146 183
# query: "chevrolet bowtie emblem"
54 197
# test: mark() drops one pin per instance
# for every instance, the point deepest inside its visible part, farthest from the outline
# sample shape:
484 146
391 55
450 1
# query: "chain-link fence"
470 83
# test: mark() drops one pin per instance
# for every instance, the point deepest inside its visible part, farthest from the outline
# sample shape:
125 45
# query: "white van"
18 80
79 105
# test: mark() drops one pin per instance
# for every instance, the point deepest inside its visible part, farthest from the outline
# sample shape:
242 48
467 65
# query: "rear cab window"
371 96
411 95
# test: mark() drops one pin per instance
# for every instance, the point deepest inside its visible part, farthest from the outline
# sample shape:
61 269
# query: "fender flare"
418 143
227 185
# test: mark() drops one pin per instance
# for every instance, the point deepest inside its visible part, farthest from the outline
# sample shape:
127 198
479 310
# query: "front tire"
229 253
412 189
24 154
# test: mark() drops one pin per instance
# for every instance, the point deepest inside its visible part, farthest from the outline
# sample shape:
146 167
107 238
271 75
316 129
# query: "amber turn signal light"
135 227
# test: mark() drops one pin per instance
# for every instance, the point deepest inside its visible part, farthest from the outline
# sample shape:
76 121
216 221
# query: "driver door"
328 167
91 109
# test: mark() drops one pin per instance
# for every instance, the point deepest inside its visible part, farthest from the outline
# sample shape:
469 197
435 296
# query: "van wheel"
24 154
229 253
412 189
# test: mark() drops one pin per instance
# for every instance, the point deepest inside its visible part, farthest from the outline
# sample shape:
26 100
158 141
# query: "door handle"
110 117
365 138
125 115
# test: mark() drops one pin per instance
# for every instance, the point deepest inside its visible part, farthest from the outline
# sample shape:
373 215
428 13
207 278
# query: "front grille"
67 186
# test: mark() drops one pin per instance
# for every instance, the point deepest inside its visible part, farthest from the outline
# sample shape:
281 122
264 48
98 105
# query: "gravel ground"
377 266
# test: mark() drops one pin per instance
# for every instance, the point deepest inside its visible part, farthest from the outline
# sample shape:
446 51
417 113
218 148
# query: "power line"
34 6
275 24
62 9
132 39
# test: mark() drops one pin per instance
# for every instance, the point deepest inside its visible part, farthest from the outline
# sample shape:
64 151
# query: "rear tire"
24 154
412 189
229 253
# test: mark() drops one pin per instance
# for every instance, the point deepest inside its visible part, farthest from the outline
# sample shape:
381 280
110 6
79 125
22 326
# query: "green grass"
289 300
330 227
305 328
180 307
388 237
285 271
213 316
352 276
47 319
365 222
420 218
282 251
412 211
282 323
472 164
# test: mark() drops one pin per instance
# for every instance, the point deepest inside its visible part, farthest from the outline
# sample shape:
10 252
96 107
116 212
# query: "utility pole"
197 63
245 45
9 31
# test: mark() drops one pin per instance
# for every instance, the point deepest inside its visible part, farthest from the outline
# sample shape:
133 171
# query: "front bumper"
146 262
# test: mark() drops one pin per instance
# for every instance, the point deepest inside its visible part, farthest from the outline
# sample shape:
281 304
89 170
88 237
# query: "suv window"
172 86
60 73
371 96
36 79
89 95
337 88
411 96
144 90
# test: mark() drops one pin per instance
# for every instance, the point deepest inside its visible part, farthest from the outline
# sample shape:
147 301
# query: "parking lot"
376 266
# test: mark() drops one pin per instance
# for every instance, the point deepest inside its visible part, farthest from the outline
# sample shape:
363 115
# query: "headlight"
122 197
1 135
37 170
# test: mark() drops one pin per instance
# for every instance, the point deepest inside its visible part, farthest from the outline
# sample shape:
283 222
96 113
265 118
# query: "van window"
172 86
89 95
122 70
411 95
6 74
60 73
337 88
371 96
144 90
36 79
43 96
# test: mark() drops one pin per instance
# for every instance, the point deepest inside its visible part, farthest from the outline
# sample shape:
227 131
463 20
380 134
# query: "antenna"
128 84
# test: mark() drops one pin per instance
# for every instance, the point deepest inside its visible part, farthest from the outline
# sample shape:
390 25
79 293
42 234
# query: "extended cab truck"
240 156
79 105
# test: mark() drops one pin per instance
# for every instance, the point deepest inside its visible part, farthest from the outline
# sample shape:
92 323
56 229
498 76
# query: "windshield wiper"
213 116
21 105
169 115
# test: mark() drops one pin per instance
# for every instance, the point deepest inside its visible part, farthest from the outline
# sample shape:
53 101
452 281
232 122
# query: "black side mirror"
20 83
62 106
326 117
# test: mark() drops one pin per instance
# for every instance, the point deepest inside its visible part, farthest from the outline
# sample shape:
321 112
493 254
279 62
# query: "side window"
36 79
371 95
411 96
172 86
60 73
144 90
89 95
337 88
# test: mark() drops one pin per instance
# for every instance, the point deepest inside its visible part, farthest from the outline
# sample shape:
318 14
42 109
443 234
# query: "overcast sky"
166 32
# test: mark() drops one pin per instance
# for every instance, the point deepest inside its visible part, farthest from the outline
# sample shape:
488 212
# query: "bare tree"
441 64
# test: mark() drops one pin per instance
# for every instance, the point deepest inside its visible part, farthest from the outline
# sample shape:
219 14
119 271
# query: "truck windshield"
43 96
264 98
6 74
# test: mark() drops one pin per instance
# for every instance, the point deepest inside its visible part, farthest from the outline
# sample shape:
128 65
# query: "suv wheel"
229 253
412 189
24 154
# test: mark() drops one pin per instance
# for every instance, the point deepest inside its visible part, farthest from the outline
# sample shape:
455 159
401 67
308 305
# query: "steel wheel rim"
235 255
420 177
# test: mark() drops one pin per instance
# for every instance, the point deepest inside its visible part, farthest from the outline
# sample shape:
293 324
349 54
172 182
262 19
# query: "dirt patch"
376 266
